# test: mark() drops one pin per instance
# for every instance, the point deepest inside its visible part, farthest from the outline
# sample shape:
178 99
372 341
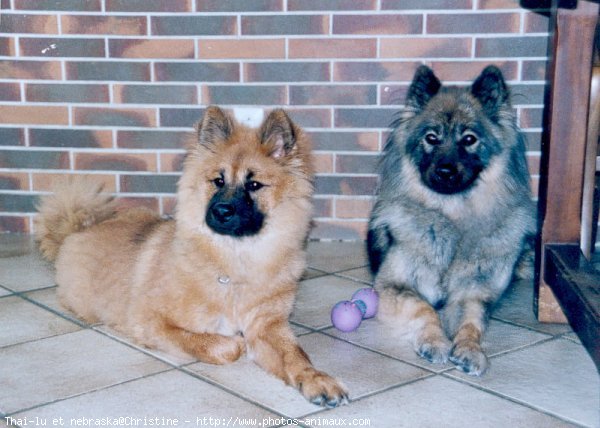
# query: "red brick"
467 71
148 6
241 48
33 24
533 163
34 70
332 94
416 47
61 47
536 23
311 117
114 117
7 46
14 224
10 91
333 229
171 162
393 94
169 205
155 94
63 5
109 25
497 4
377 24
322 207
285 24
531 117
345 5
353 208
345 140
66 92
14 181
473 23
332 48
239 6
42 182
323 163
533 70
374 71
69 137
34 115
156 48
115 161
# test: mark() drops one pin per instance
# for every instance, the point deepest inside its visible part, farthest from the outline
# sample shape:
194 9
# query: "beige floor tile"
500 337
15 244
48 298
26 272
363 372
439 402
61 366
516 305
168 358
557 377
336 256
166 396
22 321
360 275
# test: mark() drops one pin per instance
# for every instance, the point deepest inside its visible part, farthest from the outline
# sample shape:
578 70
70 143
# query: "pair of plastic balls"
347 315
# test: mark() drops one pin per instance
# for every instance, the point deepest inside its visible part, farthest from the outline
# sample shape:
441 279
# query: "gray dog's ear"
423 88
491 90
277 132
215 126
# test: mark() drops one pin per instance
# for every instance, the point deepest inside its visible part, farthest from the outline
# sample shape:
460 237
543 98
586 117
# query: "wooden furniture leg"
565 140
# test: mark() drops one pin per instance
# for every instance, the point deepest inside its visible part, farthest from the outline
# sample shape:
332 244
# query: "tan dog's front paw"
227 349
321 389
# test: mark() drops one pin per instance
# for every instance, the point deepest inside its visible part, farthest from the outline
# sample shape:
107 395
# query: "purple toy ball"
346 316
371 299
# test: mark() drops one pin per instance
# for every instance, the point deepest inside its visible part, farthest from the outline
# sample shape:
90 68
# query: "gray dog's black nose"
446 172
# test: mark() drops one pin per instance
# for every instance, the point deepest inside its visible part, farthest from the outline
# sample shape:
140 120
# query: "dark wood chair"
567 286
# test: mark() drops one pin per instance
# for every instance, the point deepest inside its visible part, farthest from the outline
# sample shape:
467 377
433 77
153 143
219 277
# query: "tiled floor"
57 371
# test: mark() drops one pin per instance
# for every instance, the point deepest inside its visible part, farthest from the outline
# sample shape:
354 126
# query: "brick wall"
113 87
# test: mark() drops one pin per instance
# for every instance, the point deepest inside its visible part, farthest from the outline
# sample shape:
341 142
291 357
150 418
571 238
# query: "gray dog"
452 215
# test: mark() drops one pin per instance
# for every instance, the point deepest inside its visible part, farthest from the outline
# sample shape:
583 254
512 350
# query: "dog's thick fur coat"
220 278
452 215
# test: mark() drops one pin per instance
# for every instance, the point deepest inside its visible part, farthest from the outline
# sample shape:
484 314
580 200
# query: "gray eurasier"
452 216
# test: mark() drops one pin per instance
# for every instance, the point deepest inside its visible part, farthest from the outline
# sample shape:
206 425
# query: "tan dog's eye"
219 182
253 186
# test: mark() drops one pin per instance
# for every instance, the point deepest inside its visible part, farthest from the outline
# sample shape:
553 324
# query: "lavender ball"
346 316
371 299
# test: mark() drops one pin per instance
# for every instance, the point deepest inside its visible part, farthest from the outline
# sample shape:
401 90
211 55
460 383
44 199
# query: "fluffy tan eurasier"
220 278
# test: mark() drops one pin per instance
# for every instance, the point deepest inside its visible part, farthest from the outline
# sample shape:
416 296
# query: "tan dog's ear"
278 133
215 127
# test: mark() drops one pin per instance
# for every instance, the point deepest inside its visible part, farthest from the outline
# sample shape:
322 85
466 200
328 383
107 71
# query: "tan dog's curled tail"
74 205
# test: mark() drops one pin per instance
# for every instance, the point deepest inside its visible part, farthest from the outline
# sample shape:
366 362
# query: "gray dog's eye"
468 140
432 139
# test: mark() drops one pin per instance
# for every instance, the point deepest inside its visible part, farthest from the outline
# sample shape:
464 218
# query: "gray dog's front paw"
469 358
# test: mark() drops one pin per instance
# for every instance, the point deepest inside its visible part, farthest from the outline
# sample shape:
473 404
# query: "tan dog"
221 277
